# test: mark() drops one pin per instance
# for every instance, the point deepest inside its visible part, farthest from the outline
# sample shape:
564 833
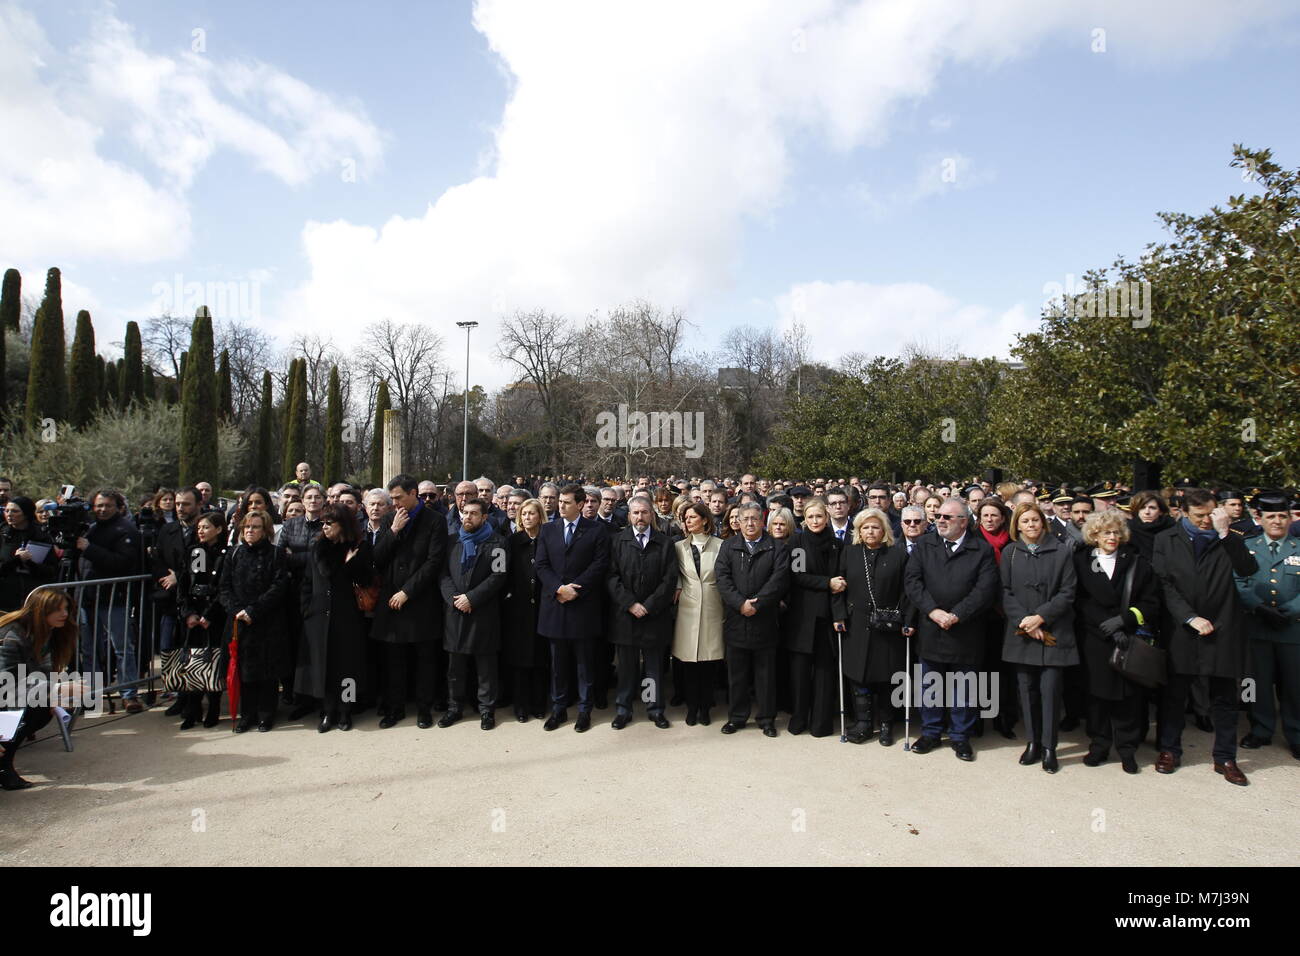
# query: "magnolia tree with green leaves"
1204 383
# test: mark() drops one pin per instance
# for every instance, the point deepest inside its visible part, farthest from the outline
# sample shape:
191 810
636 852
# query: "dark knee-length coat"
256 579
1099 598
872 656
479 630
814 560
521 645
334 629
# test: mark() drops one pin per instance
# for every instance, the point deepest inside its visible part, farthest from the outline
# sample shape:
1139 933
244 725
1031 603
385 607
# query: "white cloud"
74 202
638 142
883 319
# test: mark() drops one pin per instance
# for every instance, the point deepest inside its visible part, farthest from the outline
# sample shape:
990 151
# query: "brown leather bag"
367 596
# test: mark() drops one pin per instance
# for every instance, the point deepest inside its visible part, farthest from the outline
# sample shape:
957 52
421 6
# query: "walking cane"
907 699
839 640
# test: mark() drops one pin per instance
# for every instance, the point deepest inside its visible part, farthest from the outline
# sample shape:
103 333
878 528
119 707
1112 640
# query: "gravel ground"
137 789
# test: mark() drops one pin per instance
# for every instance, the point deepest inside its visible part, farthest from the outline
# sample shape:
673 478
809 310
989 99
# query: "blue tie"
568 533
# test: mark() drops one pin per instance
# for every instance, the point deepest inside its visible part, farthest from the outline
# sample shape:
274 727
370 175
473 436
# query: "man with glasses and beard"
952 580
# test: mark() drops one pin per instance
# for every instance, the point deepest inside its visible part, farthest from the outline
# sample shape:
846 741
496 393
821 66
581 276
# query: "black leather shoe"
886 735
962 749
730 727
345 722
621 721
796 727
213 716
521 716
1251 742
1129 763
1203 724
487 721
9 780
1050 763
1295 751
583 723
691 718
326 723
858 734
424 719
555 720
539 714
704 718
188 722
446 720
391 718
924 745
661 721
1093 758
1031 755
301 711
243 725
770 731
264 725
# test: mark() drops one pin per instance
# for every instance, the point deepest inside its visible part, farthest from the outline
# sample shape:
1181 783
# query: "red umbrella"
232 672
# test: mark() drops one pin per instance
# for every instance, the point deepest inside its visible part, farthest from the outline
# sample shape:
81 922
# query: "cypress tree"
264 466
83 373
47 387
99 381
111 372
290 385
11 296
295 438
334 429
180 375
131 385
199 407
226 401
150 384
10 305
382 404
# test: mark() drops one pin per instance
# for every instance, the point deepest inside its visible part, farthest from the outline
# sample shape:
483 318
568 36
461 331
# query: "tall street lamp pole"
467 326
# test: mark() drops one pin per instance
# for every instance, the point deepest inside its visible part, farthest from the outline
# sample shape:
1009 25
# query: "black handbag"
1138 659
880 618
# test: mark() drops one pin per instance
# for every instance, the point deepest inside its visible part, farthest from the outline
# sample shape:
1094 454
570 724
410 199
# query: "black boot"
9 778
860 731
178 705
214 711
193 709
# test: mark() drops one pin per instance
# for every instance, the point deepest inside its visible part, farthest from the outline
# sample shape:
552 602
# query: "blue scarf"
469 544
1201 540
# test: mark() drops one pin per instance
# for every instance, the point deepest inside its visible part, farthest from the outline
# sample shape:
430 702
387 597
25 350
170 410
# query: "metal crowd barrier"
119 633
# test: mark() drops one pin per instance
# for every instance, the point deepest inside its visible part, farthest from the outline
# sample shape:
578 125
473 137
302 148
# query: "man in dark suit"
913 523
952 580
410 553
753 573
608 511
1195 561
471 583
571 561
642 580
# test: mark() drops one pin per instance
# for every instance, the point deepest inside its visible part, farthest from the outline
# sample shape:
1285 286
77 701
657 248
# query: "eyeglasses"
913 521
944 517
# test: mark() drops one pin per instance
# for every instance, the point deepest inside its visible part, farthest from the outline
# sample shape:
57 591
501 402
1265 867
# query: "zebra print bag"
194 669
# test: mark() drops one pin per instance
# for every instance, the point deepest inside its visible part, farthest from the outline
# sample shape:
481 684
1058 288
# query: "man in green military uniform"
1272 595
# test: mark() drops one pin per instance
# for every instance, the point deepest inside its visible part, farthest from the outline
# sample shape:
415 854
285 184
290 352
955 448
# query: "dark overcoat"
585 562
964 583
1099 598
479 630
410 561
648 577
764 575
1039 582
872 656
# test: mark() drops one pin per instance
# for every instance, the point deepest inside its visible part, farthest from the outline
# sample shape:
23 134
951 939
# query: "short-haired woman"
806 633
524 653
36 642
874 651
1038 588
780 523
1111 565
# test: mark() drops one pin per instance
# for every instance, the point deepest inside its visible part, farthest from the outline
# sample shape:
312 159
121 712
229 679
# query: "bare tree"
543 347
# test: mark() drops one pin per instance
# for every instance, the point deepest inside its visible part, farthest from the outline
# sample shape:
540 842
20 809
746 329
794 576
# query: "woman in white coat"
697 637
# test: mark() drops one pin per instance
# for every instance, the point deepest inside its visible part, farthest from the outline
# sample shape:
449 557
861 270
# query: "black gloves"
1111 625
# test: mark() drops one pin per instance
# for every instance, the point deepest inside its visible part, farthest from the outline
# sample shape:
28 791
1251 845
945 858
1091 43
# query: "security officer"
1272 595
1234 502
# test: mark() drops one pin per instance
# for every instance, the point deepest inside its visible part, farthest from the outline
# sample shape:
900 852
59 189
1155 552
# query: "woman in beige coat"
697 639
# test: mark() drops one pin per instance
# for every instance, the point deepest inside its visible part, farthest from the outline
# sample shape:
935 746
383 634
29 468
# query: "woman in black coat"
332 656
806 632
872 655
202 619
1150 516
1116 706
20 571
254 585
524 653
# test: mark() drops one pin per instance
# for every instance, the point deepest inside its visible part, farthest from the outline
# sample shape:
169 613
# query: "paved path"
138 789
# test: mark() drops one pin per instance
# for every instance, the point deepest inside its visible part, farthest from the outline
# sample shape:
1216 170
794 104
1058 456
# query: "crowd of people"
818 599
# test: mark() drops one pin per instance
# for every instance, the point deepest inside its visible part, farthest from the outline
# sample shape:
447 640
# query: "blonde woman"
524 653
697 634
874 645
806 633
780 523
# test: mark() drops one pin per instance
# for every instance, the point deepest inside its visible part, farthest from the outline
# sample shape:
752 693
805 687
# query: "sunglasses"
428 494
913 521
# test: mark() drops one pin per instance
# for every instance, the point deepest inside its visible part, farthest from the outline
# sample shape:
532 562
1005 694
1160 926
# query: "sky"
885 173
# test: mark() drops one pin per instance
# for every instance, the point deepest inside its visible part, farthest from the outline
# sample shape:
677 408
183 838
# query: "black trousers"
1223 712
530 689
429 662
258 699
746 669
1040 702
1117 722
485 665
627 658
697 684
564 652
814 696
32 720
